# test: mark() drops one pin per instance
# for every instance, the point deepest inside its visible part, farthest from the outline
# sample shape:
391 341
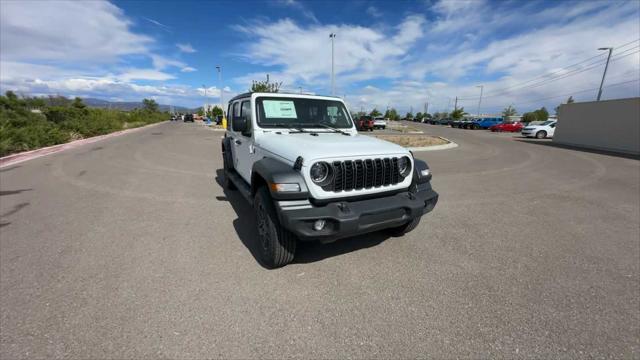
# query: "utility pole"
480 100
333 84
605 69
455 107
219 68
205 98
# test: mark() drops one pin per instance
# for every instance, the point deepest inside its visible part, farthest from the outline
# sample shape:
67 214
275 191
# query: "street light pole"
605 69
219 68
480 100
333 88
205 98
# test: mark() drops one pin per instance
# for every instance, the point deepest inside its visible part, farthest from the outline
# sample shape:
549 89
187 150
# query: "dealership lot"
129 247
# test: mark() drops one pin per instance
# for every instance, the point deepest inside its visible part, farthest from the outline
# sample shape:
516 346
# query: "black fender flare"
226 152
274 171
418 166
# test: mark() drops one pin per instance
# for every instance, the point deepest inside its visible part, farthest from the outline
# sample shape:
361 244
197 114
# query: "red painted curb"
34 154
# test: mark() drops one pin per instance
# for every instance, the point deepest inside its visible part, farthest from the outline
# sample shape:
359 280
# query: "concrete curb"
34 154
450 145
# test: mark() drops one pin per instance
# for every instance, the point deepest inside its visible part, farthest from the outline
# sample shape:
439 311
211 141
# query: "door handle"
238 142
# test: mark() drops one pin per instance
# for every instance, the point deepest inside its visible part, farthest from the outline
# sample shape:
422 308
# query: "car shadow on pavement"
306 252
549 142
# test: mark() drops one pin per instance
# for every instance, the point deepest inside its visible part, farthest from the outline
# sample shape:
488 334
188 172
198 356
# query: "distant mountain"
129 105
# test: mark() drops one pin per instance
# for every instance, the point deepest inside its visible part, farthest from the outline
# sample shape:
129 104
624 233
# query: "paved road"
129 248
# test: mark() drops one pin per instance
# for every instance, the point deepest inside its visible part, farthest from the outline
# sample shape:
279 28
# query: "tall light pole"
219 68
205 98
480 100
605 69
333 84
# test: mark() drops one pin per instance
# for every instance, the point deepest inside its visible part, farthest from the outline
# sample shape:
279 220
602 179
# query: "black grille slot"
348 175
358 174
368 179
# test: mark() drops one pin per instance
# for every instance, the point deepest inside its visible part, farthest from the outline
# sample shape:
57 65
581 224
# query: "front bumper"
349 218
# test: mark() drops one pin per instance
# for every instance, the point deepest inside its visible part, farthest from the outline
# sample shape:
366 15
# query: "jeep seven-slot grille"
363 174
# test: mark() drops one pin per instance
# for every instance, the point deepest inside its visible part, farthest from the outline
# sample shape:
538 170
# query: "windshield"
301 112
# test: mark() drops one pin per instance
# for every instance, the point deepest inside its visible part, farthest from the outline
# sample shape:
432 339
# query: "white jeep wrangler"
311 176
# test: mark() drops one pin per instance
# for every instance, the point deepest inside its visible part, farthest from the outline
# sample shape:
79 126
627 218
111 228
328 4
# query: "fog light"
425 172
319 225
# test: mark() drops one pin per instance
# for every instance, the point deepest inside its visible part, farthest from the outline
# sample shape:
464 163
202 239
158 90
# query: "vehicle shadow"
578 148
306 252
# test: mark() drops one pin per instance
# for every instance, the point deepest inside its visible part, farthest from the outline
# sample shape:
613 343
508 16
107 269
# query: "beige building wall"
612 125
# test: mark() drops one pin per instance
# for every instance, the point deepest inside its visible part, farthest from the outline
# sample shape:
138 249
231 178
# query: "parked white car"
541 131
379 123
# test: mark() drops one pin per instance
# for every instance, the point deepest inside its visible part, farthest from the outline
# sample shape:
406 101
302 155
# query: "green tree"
150 105
541 114
78 104
409 115
529 117
419 115
200 111
214 111
392 114
375 113
265 86
509 111
458 114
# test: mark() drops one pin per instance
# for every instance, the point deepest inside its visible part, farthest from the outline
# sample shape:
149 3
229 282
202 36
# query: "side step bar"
242 185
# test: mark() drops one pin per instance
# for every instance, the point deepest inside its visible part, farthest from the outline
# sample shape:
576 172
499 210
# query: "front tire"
541 134
277 245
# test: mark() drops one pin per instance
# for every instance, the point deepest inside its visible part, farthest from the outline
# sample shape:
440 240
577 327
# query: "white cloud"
144 74
65 31
188 69
186 48
161 62
361 53
294 4
373 11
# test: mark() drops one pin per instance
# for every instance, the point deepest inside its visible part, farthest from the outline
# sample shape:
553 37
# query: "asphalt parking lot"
129 248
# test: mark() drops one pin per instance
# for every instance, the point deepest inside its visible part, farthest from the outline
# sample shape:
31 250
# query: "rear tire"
277 245
541 134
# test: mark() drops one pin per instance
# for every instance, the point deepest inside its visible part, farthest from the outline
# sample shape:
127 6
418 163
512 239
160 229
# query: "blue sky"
391 53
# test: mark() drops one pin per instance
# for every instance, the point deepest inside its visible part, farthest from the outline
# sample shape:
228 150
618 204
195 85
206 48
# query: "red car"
511 127
365 123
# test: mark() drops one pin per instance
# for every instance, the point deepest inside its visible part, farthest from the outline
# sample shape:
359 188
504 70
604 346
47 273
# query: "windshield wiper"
333 128
294 126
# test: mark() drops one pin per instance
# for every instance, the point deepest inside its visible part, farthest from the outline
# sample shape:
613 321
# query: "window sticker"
279 109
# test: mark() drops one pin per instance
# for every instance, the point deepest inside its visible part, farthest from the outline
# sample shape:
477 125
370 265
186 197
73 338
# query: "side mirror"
240 124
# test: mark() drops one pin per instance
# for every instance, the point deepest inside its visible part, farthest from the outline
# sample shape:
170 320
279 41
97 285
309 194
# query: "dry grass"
413 140
401 128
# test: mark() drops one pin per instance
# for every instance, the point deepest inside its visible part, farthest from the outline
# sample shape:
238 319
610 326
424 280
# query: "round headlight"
319 172
404 166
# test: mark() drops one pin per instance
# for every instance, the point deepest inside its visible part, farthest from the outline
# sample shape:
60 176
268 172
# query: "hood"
325 145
